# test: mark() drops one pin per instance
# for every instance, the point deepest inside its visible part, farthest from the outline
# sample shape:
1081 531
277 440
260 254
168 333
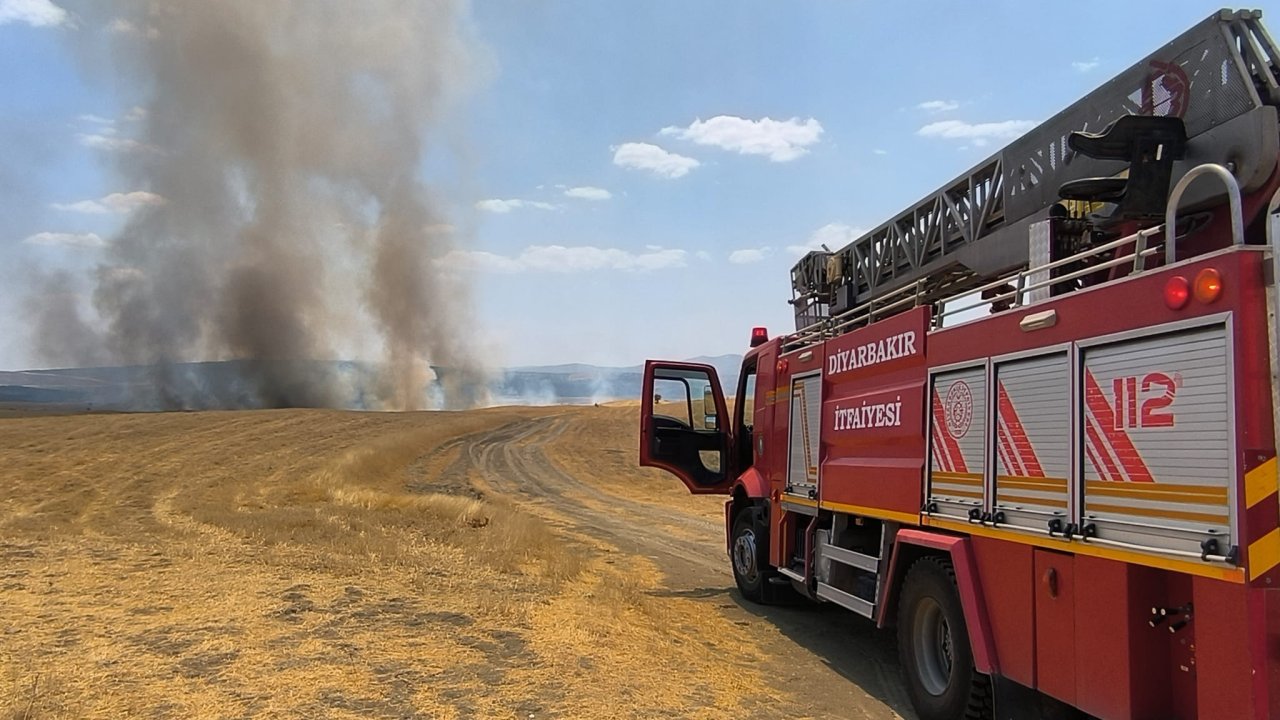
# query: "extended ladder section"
1219 78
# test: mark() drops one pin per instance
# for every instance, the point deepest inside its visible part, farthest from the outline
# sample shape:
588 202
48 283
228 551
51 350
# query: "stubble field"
503 563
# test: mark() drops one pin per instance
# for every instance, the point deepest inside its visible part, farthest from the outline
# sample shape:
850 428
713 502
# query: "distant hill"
224 384
727 367
574 382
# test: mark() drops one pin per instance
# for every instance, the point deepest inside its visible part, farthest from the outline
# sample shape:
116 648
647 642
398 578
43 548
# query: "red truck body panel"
873 418
1069 619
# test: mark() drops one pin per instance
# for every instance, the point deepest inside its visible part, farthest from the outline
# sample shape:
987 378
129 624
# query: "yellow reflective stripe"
1105 487
1218 572
878 513
955 476
1264 553
1259 483
1027 500
1023 480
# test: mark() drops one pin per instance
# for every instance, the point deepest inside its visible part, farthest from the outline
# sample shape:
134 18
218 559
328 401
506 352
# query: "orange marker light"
1177 292
1208 285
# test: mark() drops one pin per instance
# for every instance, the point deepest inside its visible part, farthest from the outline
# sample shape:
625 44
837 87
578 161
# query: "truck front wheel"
933 645
749 553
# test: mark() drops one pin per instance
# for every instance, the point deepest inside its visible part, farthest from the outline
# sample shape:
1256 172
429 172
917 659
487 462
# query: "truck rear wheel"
933 645
749 554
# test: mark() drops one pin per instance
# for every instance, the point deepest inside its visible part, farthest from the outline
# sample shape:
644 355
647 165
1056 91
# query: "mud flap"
1014 701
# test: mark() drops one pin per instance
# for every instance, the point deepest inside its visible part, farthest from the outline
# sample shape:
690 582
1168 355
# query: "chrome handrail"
1171 211
1273 327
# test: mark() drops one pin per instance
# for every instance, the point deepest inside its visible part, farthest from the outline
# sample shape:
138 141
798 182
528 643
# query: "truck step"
788 572
846 600
849 557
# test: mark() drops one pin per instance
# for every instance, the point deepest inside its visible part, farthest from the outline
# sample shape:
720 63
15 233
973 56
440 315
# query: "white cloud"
118 203
561 259
96 119
834 235
643 156
746 256
937 106
55 238
978 133
878 151
36 13
1085 66
135 114
588 193
702 255
779 140
105 141
505 206
120 25
124 27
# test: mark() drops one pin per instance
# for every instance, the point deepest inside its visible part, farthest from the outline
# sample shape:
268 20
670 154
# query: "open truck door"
684 425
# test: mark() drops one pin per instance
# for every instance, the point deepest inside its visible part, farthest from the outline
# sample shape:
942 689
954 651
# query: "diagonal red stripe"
939 457
1022 447
1108 468
1093 460
950 445
1117 438
1005 448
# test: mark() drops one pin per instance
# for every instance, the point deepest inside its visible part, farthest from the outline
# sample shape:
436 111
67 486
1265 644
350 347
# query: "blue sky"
637 178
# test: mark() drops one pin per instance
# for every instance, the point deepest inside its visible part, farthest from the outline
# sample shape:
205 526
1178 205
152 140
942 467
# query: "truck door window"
683 400
744 409
746 397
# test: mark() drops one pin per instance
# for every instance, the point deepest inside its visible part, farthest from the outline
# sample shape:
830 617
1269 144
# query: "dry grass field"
504 563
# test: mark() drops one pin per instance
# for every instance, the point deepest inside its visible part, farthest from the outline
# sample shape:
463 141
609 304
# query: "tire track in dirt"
513 461
834 663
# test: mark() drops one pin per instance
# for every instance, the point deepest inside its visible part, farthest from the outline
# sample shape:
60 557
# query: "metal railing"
1171 211
1021 286
1023 281
1273 324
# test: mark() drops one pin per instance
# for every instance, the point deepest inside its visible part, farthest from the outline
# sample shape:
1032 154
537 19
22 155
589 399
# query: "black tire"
749 554
933 645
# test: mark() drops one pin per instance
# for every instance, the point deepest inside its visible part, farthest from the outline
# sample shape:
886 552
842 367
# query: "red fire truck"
1029 421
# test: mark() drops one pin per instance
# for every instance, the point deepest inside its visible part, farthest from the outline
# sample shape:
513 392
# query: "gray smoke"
287 139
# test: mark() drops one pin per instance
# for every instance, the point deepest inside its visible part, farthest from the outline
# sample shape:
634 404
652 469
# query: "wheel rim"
933 646
744 556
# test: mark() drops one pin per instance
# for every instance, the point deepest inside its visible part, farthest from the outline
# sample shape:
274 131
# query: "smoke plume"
287 139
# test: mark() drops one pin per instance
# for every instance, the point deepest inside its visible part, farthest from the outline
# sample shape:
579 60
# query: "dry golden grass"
603 444
328 564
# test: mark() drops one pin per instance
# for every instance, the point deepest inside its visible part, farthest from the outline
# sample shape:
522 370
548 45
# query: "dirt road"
833 663
507 563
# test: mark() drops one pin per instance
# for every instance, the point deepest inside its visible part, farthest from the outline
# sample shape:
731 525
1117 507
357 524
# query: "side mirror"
709 419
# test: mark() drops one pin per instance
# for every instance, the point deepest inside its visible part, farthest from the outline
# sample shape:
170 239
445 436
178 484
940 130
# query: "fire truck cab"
1030 422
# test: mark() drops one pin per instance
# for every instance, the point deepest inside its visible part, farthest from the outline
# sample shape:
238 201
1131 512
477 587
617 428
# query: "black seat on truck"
1150 145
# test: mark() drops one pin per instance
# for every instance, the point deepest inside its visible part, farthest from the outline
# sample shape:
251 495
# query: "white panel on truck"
806 434
957 437
1158 464
1033 440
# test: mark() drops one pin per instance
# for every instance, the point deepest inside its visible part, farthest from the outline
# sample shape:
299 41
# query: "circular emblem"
959 409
